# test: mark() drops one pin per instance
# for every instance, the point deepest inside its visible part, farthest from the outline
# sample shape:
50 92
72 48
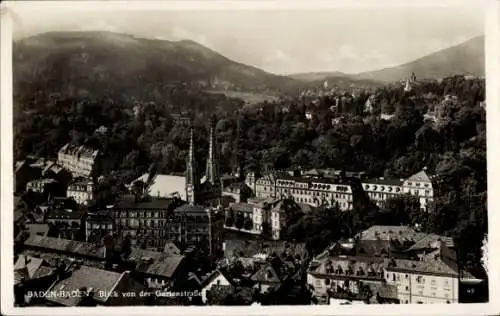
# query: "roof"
420 177
37 229
214 274
251 248
187 208
164 265
242 207
374 247
359 267
171 248
89 278
81 151
164 185
236 186
275 271
65 213
384 181
129 202
429 240
155 263
66 245
435 266
31 264
400 233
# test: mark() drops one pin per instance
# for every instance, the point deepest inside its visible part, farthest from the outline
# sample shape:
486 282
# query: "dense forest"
142 135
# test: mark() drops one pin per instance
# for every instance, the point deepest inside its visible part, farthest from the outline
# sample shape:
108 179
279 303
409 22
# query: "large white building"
81 161
419 185
314 191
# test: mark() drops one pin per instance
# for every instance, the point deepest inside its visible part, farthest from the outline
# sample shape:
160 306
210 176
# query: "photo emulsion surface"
249 157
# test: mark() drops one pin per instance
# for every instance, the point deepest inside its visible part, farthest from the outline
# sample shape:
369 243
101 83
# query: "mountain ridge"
466 58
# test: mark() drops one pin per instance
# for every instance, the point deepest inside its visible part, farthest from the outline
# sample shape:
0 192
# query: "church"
209 191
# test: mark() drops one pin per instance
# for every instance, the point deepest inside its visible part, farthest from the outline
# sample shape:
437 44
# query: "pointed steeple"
191 175
211 173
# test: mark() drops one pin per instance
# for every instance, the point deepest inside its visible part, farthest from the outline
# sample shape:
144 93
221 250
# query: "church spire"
212 174
191 178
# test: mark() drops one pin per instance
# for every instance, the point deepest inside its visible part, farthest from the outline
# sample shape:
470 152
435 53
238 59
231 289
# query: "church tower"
212 172
191 172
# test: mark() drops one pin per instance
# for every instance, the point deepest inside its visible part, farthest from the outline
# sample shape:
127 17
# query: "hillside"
104 64
464 59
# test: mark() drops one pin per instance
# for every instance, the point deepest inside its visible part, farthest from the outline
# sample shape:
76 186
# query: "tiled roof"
401 233
428 266
429 240
164 185
156 263
66 245
420 177
89 278
374 247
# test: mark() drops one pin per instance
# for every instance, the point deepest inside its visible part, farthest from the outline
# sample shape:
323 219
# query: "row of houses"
266 269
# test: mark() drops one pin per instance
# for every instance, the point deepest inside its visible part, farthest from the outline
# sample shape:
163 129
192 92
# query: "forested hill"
464 59
120 66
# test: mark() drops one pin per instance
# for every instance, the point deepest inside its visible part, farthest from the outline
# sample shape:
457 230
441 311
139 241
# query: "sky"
284 41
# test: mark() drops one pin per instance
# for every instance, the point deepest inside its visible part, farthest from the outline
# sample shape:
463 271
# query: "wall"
415 288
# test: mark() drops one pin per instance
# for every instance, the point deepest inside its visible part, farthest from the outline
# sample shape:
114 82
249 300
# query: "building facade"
419 185
82 191
314 191
379 190
81 161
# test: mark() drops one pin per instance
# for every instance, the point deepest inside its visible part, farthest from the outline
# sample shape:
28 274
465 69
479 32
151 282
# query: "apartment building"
81 161
82 191
314 191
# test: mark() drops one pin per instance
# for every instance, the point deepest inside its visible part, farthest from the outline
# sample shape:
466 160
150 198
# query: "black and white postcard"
275 157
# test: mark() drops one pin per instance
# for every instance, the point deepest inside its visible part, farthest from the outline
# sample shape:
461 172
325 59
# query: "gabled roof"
95 279
216 273
31 264
171 248
156 263
267 274
420 177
